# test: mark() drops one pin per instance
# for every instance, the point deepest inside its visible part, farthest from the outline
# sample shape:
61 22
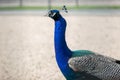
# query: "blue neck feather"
63 53
59 37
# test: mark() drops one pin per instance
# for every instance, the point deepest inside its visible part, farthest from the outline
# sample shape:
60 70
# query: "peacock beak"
47 14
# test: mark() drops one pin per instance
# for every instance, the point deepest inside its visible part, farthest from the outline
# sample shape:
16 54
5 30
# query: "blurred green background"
50 4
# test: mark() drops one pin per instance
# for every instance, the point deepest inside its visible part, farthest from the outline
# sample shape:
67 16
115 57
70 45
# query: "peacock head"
54 14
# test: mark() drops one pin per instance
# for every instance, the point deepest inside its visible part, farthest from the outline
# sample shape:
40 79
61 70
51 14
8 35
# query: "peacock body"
80 64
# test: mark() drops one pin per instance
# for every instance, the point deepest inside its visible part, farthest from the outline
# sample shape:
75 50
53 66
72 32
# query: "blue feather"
78 53
63 53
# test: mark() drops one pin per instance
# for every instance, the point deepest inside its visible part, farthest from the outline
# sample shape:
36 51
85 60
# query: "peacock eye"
50 13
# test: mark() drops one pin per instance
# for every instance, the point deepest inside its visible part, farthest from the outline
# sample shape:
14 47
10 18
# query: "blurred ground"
95 12
26 43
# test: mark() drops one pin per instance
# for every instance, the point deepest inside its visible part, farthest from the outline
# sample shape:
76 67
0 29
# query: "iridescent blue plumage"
64 54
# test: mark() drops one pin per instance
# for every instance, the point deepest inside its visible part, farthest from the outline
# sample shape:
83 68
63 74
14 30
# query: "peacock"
80 64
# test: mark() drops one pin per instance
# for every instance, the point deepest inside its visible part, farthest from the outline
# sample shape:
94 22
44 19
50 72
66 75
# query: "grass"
95 7
59 7
23 8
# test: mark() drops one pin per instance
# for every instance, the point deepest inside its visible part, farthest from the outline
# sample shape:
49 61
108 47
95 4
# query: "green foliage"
24 8
98 7
59 7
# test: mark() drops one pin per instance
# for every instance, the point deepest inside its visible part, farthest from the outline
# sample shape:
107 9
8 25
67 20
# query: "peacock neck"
59 38
63 53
